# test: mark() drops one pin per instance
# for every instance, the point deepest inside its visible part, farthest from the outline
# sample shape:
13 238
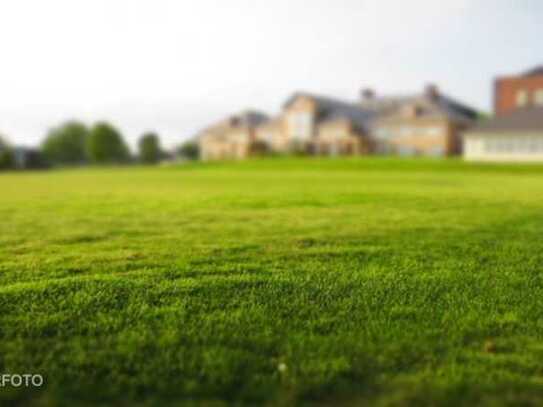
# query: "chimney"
367 94
431 91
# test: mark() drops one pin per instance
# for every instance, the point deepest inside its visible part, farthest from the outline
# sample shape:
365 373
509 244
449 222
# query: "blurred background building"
516 131
427 124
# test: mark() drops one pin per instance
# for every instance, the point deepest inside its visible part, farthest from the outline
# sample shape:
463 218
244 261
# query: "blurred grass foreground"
279 281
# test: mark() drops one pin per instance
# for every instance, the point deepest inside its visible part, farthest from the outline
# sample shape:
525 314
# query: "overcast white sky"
174 66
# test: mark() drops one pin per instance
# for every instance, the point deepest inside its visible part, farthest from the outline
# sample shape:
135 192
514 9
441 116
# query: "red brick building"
515 92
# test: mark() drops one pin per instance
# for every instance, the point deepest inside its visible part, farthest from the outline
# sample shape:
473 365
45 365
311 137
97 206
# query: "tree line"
73 143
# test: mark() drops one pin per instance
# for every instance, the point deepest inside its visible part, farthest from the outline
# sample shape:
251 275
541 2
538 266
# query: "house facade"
516 136
518 91
272 134
425 124
515 133
320 125
428 123
230 138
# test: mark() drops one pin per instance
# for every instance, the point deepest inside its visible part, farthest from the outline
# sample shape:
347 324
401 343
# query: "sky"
176 66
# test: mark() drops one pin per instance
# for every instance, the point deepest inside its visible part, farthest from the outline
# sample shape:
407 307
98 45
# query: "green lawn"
286 281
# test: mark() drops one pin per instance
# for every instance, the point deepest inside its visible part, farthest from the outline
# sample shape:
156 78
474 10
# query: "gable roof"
330 109
270 122
363 113
439 104
243 120
453 107
249 118
386 104
522 120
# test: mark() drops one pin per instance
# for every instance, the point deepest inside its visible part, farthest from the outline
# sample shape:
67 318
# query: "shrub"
258 148
7 160
189 150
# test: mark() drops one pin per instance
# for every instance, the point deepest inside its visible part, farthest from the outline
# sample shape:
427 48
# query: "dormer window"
300 124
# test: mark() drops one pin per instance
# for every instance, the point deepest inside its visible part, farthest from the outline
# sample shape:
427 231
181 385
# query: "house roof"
536 71
249 118
331 109
522 120
432 105
271 122
363 114
242 120
386 104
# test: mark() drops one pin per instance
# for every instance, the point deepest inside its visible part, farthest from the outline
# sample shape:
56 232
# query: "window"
433 131
527 145
300 125
522 97
489 146
515 145
496 146
538 97
509 146
536 145
406 131
383 133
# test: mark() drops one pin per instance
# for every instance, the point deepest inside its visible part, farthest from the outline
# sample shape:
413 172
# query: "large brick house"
516 131
428 123
518 91
515 136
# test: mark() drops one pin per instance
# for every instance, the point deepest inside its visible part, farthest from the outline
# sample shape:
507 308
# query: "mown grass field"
285 282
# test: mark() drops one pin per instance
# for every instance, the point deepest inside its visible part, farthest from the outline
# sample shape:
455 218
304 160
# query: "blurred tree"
65 144
105 145
7 160
149 148
3 143
189 150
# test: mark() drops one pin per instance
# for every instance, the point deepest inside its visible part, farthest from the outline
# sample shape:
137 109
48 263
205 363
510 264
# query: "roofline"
311 95
524 74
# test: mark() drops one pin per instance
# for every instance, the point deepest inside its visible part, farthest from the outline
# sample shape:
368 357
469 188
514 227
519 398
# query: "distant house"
319 125
515 136
518 91
516 131
230 138
429 123
423 124
272 133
